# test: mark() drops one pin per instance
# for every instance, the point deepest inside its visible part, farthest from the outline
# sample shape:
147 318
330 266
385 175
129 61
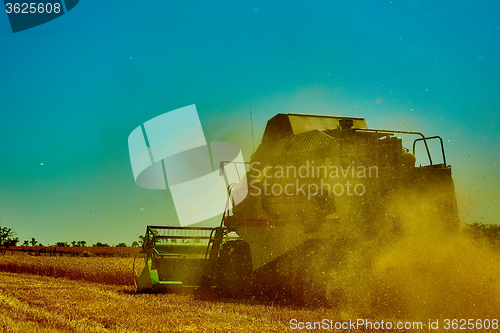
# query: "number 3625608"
32 8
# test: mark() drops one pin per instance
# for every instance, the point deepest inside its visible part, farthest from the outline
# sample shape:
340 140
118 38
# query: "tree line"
487 232
7 238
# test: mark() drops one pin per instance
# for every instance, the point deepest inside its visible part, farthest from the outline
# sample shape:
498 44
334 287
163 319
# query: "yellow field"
118 271
31 303
71 303
453 278
32 300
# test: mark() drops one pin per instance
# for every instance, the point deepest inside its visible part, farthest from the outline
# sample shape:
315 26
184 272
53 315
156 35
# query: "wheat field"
118 271
31 303
95 294
79 294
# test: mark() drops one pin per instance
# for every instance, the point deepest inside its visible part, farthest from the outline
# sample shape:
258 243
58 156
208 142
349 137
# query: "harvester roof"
286 125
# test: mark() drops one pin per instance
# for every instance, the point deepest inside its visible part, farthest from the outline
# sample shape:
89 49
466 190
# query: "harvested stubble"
31 303
117 271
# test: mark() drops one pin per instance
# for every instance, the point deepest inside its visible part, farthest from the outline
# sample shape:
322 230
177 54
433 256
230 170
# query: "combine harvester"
318 186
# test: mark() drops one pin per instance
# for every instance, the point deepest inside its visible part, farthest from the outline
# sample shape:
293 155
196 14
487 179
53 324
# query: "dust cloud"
427 272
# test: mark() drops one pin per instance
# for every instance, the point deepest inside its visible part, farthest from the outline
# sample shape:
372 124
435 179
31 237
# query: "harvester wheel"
234 277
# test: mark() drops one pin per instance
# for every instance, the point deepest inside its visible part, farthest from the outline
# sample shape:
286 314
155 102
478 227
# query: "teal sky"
73 89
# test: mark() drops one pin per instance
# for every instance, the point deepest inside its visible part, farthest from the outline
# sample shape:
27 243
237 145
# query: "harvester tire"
234 278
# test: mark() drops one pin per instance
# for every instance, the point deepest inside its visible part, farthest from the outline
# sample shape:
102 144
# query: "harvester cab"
316 185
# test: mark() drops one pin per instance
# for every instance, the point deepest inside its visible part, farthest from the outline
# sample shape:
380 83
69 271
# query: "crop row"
117 271
73 251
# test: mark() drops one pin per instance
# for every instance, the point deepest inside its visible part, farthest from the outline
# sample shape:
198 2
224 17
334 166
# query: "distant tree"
121 245
33 241
11 241
78 244
489 232
7 237
62 244
26 243
5 233
99 244
135 244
